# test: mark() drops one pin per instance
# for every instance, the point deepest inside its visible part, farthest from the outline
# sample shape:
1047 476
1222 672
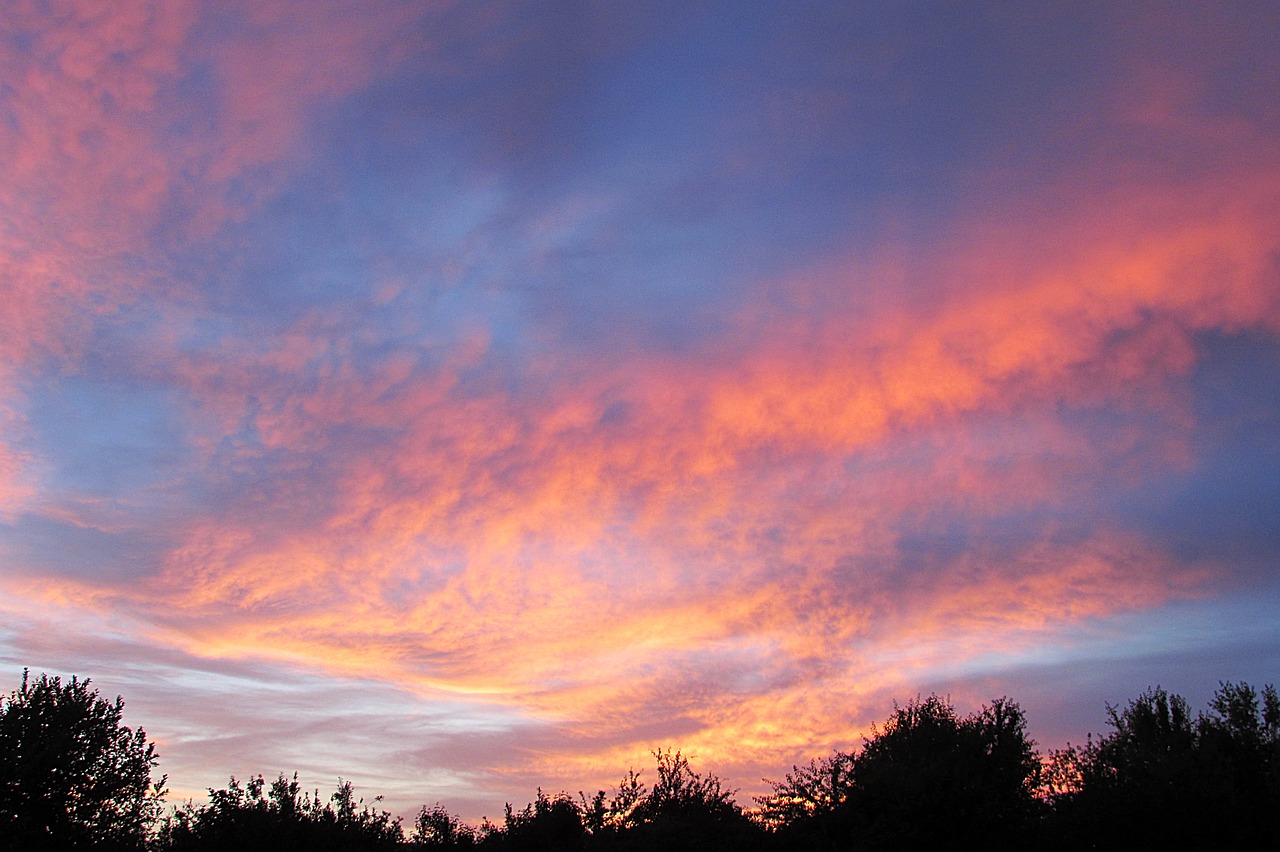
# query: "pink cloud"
96 160
543 553
515 551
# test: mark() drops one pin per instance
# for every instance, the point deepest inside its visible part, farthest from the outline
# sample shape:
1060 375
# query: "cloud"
708 545
324 372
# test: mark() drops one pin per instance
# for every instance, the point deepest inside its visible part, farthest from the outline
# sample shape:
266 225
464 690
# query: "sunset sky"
465 397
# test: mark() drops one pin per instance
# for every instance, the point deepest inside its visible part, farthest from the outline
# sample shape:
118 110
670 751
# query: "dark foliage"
1161 778
437 828
926 778
931 778
683 810
812 792
71 774
548 824
242 817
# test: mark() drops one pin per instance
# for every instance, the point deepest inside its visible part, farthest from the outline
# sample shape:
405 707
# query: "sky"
461 398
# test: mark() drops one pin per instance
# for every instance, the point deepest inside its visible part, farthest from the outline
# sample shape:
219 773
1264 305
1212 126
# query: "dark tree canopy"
547 824
1164 778
71 773
436 828
243 817
683 809
926 777
931 777
73 776
812 792
687 810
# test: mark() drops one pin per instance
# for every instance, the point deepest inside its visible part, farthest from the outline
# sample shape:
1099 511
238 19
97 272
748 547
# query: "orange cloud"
511 490
524 552
719 542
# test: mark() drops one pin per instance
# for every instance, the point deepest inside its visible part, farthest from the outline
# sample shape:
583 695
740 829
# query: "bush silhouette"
683 810
436 828
242 817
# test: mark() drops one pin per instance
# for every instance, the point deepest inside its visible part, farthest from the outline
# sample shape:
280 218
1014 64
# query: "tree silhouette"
71 774
930 777
242 817
1163 778
683 810
927 777
436 828
547 824
805 807
1239 744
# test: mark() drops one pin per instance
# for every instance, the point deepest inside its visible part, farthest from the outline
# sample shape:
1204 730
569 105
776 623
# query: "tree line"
72 775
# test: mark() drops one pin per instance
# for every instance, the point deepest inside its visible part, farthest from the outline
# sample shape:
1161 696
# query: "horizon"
479 397
644 771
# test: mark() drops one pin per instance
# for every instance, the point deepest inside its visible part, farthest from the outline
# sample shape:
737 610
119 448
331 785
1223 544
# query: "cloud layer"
502 392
